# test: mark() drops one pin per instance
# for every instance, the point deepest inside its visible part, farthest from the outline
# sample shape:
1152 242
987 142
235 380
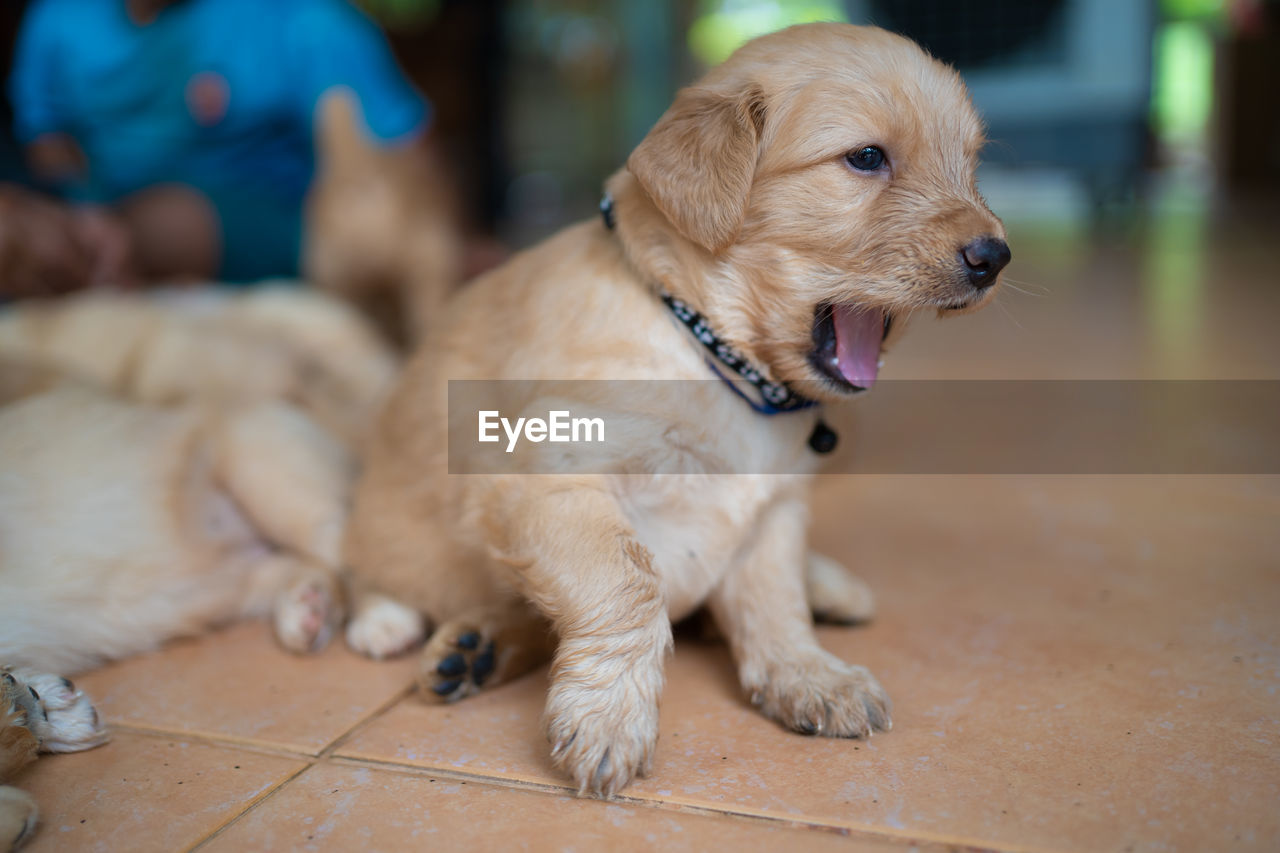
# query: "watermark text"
559 426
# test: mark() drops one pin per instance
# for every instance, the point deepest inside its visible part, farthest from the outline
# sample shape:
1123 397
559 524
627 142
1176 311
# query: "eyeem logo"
559 427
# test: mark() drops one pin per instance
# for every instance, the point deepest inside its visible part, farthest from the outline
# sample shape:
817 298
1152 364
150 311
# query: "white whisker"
1007 312
1012 284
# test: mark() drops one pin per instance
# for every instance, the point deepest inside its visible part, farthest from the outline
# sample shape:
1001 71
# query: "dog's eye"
867 159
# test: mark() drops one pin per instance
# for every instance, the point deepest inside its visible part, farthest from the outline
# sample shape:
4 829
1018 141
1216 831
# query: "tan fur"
741 203
164 347
20 379
18 744
175 461
382 226
18 748
124 525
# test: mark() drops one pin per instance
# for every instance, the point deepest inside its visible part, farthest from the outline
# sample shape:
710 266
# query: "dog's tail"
383 222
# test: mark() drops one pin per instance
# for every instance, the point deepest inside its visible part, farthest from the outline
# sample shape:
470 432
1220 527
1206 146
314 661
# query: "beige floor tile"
354 808
141 793
240 684
496 733
1077 663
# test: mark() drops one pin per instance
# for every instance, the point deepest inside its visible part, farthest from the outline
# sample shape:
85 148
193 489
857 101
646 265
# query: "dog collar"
775 398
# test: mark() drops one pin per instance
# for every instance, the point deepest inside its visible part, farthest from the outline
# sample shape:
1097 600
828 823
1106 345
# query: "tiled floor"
1077 663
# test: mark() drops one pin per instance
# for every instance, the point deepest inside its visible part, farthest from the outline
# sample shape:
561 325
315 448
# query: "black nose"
983 259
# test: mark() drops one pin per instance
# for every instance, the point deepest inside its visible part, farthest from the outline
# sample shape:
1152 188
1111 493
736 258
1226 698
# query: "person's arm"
40 121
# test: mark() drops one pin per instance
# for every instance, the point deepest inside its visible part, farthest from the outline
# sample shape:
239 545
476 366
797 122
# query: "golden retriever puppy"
212 344
123 525
382 223
38 713
175 460
805 196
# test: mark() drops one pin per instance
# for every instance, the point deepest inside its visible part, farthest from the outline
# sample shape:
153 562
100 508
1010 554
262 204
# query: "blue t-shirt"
219 94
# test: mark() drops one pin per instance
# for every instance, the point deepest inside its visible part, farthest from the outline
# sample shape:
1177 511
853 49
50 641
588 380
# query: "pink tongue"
859 334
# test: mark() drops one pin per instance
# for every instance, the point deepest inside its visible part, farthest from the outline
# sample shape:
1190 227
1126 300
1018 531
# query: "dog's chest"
697 528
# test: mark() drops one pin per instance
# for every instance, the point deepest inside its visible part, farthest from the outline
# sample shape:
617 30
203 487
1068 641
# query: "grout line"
327 755
253 804
904 836
367 721
257 747
456 775
266 747
222 741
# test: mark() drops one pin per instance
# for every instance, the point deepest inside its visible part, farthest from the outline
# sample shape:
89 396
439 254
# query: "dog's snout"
983 259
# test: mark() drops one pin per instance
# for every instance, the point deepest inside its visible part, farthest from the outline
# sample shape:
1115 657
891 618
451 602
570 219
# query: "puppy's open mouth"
847 343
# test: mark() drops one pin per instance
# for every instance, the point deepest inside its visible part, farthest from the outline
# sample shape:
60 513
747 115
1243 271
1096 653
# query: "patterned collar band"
774 397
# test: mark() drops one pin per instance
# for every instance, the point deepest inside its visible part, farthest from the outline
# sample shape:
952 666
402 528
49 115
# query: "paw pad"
464 670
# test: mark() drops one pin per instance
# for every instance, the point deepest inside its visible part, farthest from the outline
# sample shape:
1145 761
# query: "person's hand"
56 158
47 248
41 252
109 241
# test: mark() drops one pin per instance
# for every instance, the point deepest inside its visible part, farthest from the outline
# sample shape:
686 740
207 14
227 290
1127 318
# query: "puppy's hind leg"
292 479
761 607
483 648
835 594
305 600
382 627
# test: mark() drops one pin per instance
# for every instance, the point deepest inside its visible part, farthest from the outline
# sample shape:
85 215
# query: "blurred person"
47 248
182 131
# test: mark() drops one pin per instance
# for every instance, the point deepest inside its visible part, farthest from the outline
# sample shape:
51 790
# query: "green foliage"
722 26
1194 10
1183 96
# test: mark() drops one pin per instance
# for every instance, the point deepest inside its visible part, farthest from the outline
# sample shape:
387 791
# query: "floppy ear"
698 161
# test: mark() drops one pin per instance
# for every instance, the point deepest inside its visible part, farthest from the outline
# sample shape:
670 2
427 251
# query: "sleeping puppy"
125 525
276 342
801 200
176 460
38 713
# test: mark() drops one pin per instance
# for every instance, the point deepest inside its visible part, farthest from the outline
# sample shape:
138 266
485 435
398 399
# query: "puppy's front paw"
308 613
602 712
823 695
602 737
65 719
383 628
